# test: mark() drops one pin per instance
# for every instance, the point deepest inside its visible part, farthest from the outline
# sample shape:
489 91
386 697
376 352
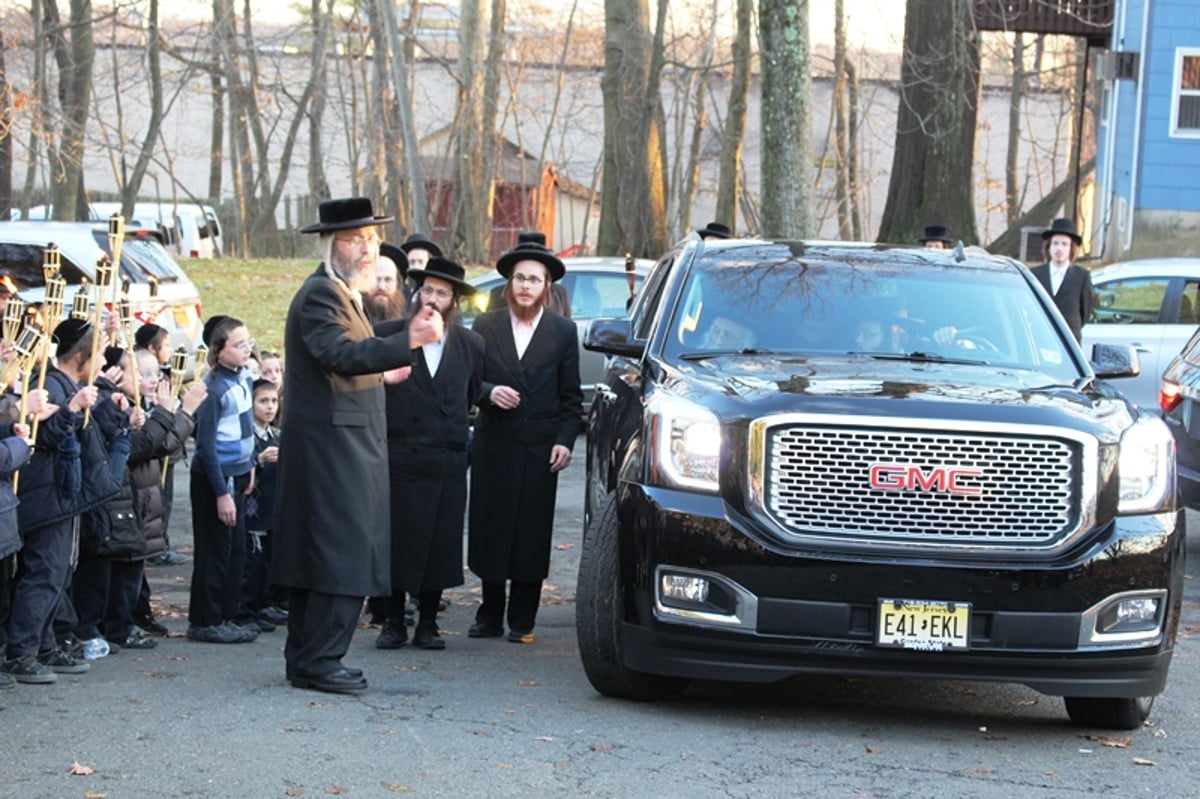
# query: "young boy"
257 609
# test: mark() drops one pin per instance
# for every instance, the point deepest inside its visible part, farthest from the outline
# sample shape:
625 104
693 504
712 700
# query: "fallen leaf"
562 765
528 682
505 765
1116 743
544 738
398 788
295 792
79 769
317 704
1160 733
602 747
335 789
564 547
1025 702
94 795
1141 761
871 750
1050 773
984 770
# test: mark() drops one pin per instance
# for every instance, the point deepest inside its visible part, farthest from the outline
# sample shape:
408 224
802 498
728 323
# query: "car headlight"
686 443
1146 468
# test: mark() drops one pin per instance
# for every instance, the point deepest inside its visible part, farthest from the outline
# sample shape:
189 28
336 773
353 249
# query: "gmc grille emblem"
903 477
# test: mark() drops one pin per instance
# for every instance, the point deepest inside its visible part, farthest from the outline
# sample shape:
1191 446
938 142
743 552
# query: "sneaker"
216 634
275 615
245 634
138 640
168 558
257 625
60 662
72 646
95 648
6 681
27 669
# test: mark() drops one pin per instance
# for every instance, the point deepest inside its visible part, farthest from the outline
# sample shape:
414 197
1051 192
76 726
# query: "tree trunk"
729 185
216 154
632 203
129 192
386 145
470 228
6 119
492 168
932 168
75 60
1012 189
787 162
852 149
841 146
318 185
38 129
414 176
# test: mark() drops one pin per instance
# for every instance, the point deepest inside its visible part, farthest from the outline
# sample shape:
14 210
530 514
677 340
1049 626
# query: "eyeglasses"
359 241
528 280
244 346
441 294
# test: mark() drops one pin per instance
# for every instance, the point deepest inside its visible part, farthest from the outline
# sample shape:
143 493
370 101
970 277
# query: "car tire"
598 614
1109 712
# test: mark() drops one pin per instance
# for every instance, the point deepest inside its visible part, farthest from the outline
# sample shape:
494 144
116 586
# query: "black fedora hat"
419 241
398 256
347 213
1063 227
444 269
715 230
936 233
531 252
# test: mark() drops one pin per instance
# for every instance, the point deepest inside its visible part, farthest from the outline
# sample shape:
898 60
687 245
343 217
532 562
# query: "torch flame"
7 282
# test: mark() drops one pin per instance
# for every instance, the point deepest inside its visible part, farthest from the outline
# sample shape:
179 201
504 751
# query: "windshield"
767 300
151 259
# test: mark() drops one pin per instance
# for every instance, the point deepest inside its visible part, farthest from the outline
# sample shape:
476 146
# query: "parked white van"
159 290
187 229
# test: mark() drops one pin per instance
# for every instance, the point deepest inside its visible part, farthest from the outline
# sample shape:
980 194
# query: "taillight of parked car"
1168 395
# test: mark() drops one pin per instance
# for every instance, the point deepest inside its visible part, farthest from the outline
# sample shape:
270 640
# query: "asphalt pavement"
489 718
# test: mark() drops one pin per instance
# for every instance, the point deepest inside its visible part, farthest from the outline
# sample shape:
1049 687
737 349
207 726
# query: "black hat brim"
548 259
423 244
1075 237
464 288
346 224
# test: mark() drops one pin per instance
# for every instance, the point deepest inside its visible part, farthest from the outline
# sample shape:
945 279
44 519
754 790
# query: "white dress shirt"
523 331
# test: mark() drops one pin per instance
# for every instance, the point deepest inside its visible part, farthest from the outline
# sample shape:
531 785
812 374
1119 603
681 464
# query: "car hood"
761 385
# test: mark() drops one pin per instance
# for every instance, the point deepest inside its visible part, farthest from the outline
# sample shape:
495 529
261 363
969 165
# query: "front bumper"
815 611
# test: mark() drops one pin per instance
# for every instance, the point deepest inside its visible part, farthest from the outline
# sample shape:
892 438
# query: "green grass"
257 291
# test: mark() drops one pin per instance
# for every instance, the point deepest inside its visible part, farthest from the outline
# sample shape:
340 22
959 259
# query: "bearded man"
332 542
530 405
388 298
428 424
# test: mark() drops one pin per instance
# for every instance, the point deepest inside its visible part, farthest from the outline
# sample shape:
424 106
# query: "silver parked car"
1152 305
597 288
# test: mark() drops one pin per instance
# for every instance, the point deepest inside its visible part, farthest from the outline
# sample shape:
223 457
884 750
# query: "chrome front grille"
933 487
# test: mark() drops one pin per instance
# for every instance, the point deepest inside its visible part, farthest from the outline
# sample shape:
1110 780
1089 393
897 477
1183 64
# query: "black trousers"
89 592
220 554
523 599
256 588
320 627
45 573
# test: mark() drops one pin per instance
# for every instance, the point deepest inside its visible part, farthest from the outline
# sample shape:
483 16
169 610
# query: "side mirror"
612 337
1115 360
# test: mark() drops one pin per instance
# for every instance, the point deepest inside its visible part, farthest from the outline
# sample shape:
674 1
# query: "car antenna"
959 254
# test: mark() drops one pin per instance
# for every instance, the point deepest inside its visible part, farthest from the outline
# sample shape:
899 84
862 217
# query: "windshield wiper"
929 357
701 356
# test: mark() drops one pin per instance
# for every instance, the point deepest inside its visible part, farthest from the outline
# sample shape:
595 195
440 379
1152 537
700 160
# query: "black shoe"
274 615
518 637
426 637
340 681
27 669
485 629
393 636
60 662
220 634
256 625
136 640
151 626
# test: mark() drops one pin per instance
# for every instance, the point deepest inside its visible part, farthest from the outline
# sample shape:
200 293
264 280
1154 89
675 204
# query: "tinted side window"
644 308
1189 304
595 296
24 263
1132 301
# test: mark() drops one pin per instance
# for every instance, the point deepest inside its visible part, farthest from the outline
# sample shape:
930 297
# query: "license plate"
923 625
181 317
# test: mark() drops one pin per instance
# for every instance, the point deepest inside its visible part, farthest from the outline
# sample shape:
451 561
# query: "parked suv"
865 460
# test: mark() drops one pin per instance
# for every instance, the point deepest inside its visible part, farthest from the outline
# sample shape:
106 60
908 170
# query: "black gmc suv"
812 457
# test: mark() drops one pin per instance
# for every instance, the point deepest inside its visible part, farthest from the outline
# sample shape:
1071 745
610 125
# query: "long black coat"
512 487
427 460
332 526
1074 298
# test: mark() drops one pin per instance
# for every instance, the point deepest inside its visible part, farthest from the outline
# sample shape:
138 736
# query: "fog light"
684 588
1130 615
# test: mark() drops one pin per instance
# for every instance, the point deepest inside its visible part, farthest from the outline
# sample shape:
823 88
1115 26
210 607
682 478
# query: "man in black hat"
332 543
714 231
936 237
427 459
388 298
420 248
560 303
529 415
1070 285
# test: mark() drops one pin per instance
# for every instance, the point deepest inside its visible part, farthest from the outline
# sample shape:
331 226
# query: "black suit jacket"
1074 297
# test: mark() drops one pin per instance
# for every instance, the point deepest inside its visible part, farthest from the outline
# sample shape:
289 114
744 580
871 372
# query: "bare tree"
933 164
129 191
787 162
729 186
322 22
75 55
216 154
633 198
415 200
473 190
1012 200
6 126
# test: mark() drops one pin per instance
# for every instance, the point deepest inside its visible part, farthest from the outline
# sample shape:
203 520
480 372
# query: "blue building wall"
1170 170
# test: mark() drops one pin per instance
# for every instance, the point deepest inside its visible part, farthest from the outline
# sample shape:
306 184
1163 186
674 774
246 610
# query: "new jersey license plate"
924 625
